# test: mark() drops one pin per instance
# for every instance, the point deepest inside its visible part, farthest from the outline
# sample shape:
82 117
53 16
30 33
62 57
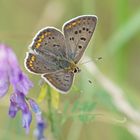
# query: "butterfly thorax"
73 67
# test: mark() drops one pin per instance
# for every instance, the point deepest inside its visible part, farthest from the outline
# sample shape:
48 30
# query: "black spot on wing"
76 32
80 47
83 38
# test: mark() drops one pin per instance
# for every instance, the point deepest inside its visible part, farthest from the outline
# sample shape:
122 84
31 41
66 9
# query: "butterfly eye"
75 70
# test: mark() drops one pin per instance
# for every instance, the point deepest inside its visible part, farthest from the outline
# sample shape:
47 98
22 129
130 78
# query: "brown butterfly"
54 54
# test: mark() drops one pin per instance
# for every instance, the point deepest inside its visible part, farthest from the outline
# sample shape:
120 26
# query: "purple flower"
13 109
34 106
39 132
41 125
18 102
26 120
10 72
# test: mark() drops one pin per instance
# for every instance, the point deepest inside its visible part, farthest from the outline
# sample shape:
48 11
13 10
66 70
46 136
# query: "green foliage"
86 112
122 134
83 111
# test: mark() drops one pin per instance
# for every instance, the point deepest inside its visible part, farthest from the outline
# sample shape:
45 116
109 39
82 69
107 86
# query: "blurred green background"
116 40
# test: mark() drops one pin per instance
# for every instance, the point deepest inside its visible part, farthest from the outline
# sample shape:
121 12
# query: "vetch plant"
11 74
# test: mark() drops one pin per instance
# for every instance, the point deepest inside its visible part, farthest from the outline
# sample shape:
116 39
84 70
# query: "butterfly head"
73 67
77 70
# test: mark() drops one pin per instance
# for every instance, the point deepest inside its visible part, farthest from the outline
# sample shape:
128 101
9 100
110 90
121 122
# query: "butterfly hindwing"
61 80
78 33
37 64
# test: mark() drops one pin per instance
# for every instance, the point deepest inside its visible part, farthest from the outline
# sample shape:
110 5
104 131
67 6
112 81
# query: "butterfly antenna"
98 58
86 62
90 81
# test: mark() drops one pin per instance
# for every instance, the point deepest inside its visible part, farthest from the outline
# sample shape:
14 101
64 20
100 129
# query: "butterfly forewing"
47 48
49 41
61 80
78 33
